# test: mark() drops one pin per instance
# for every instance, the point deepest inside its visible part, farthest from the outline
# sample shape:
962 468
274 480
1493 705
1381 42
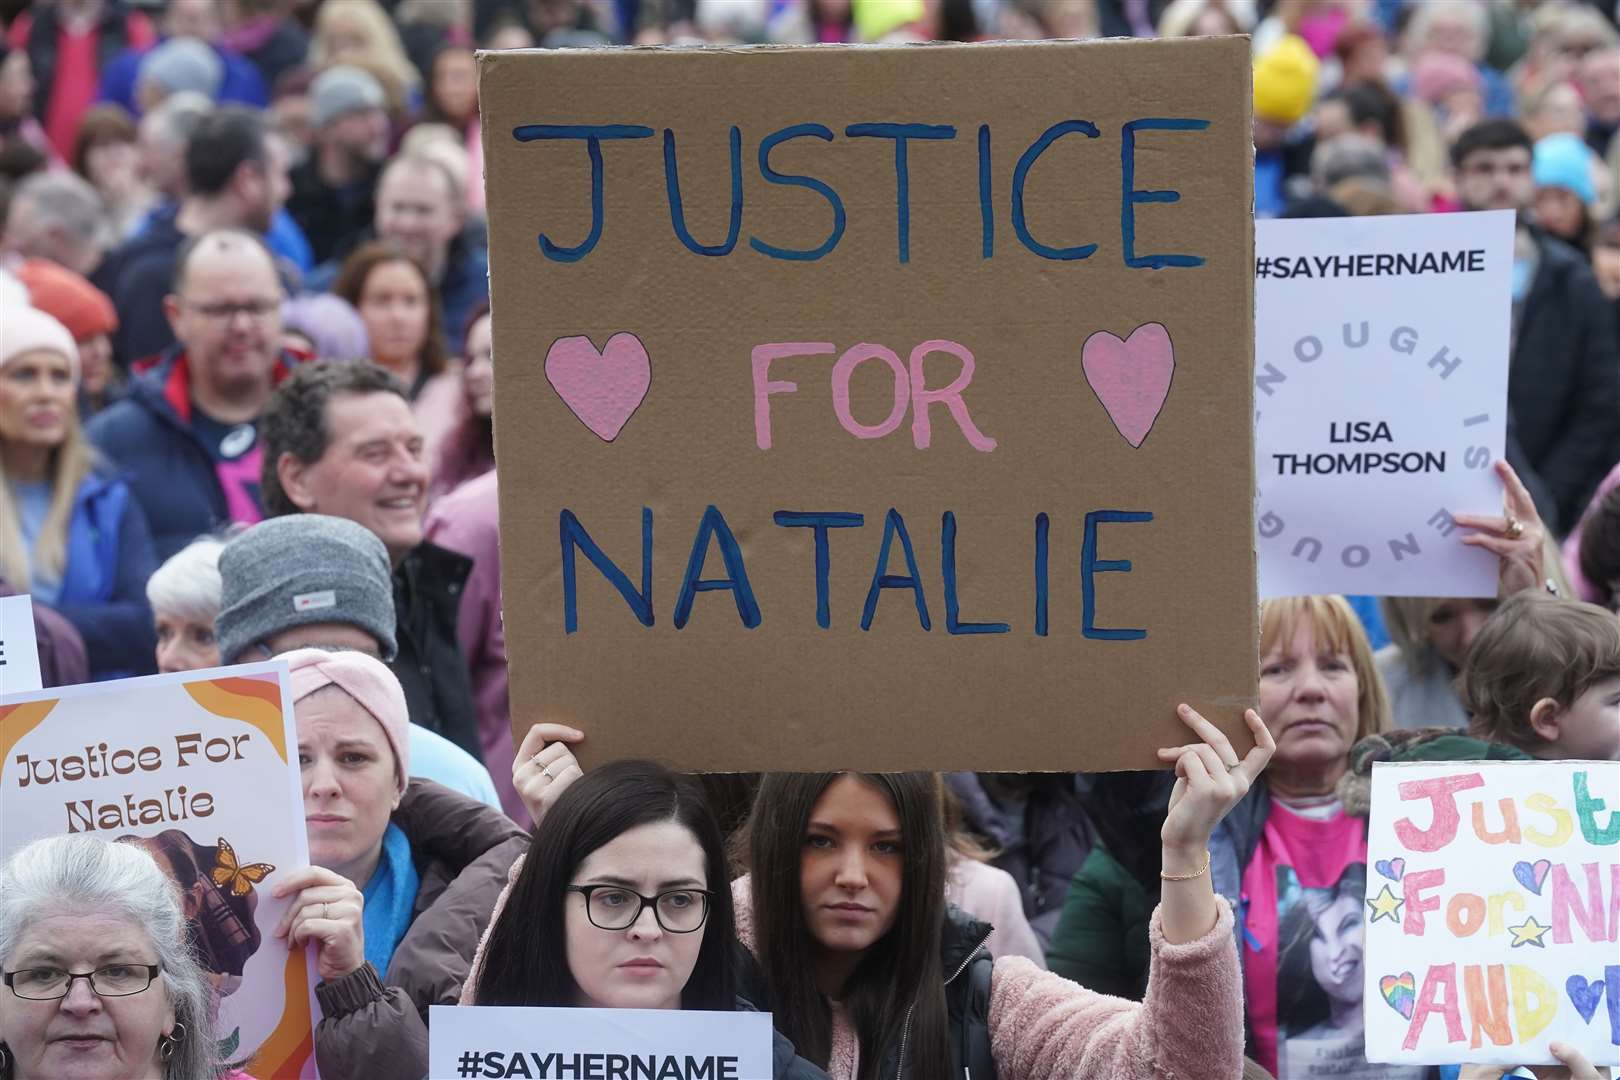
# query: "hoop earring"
5 1062
170 1042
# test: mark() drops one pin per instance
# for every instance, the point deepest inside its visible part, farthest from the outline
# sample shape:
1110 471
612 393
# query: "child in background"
1544 676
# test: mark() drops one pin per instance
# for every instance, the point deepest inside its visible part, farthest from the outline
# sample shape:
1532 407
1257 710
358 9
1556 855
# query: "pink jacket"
1572 545
989 893
468 521
1044 1027
453 453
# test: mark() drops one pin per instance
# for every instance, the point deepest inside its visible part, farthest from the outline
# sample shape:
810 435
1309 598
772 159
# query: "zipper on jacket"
905 1032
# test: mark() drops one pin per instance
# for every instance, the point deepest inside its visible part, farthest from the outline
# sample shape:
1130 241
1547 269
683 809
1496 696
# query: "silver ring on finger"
326 911
1233 767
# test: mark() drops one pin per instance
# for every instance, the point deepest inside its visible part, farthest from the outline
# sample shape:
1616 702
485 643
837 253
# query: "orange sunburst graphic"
252 701
18 720
288 1049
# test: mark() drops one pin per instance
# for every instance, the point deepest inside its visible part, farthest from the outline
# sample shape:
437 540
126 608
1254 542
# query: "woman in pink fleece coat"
872 977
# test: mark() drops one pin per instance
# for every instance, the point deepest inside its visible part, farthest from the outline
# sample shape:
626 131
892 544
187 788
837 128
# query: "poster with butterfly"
200 770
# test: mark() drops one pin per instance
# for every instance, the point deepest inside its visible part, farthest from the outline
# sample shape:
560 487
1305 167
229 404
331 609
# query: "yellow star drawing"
1529 933
1386 905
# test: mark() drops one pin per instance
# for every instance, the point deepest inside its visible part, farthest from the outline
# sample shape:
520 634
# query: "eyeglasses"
253 309
49 983
610 907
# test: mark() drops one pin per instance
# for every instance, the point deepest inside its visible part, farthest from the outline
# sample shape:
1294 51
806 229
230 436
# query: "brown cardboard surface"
719 694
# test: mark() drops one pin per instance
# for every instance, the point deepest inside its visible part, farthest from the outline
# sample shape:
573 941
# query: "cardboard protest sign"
875 406
201 770
1381 366
569 1044
19 648
1493 912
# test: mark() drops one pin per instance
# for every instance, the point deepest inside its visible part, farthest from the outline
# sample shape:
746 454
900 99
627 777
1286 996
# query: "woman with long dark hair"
623 901
869 972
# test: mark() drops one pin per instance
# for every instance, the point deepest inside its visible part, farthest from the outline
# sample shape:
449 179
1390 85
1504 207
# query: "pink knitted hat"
366 680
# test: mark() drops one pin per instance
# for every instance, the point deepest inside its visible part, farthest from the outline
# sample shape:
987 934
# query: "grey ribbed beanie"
299 569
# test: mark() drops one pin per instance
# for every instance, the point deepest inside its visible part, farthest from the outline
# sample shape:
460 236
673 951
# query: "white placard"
200 770
19 651
1493 912
597 1044
1381 363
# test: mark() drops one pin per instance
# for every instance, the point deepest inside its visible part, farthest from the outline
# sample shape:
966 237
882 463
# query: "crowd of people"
246 412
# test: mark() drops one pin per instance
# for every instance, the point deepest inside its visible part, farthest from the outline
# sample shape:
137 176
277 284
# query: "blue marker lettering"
1130 196
593 134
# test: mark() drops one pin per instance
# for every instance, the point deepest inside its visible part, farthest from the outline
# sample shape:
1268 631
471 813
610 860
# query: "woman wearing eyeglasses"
98 981
623 902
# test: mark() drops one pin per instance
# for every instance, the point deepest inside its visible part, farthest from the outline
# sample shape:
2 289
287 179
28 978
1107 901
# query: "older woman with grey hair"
99 983
185 596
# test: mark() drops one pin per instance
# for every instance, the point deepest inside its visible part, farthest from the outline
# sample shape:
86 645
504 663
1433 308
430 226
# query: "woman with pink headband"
404 872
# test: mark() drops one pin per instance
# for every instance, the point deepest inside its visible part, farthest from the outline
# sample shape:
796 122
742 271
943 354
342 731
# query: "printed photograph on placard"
1321 947
200 771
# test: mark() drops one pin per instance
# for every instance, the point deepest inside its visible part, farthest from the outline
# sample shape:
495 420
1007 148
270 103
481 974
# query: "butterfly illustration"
227 871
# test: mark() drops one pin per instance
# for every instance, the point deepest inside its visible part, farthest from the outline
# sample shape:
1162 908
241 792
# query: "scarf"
390 897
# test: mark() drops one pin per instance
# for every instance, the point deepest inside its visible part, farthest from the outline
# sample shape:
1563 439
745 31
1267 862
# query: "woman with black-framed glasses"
622 902
97 981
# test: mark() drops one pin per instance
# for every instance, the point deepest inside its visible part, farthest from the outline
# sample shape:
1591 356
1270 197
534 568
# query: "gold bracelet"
1200 872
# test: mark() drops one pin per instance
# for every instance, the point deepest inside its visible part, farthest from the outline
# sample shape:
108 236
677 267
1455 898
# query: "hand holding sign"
1210 779
1518 538
545 766
1575 1067
327 911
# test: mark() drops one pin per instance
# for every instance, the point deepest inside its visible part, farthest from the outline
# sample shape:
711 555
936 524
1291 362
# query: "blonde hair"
384 56
1536 646
1336 626
70 464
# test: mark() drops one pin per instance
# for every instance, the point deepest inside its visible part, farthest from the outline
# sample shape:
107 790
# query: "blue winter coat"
242 84
103 592
170 472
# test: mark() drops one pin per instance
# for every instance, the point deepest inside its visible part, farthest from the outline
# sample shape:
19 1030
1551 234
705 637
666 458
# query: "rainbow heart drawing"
1394 869
1532 875
1400 991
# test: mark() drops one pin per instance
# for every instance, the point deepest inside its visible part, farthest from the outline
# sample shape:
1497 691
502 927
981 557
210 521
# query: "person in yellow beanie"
1285 82
1284 91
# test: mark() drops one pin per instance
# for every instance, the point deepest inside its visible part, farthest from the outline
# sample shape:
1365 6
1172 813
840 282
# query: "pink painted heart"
604 389
1132 377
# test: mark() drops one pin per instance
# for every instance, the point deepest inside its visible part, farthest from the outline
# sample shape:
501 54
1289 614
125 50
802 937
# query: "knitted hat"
69 297
1285 81
301 569
341 90
1563 160
366 680
184 64
28 329
1438 75
331 324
